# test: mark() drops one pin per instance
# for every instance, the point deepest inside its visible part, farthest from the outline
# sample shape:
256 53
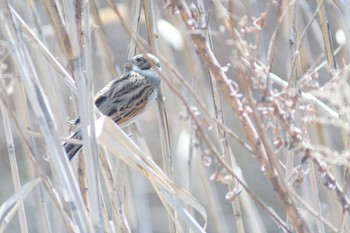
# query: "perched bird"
125 98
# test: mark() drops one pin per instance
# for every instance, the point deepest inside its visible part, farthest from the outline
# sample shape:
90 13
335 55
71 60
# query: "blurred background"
298 49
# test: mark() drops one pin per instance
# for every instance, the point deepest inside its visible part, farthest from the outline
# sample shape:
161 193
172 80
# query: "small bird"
125 98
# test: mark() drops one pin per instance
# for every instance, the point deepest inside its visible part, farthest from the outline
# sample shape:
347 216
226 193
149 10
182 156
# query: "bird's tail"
72 148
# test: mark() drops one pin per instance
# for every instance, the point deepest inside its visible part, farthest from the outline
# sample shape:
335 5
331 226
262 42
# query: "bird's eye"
138 59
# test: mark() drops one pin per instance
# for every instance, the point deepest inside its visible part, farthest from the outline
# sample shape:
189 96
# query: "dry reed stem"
325 33
263 149
262 111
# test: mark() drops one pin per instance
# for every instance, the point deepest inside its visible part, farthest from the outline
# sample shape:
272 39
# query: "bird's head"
142 62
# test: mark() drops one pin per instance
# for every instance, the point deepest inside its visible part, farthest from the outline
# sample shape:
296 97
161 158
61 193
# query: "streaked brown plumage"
125 98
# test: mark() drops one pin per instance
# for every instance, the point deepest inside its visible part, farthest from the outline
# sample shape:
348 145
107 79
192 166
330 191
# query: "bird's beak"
128 65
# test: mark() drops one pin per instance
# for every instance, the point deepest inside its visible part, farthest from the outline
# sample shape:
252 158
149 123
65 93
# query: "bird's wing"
127 116
124 98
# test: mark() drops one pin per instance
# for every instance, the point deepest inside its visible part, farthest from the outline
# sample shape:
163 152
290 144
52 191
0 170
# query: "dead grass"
250 132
